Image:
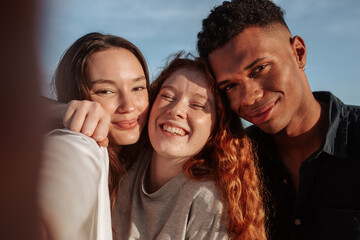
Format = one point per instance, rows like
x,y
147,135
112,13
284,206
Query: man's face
x,y
260,72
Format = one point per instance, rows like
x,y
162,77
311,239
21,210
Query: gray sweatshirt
x,y
181,209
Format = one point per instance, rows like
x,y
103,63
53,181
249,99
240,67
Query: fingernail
x,y
99,138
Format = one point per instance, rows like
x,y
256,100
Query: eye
x,y
197,106
167,97
229,86
103,92
138,88
257,69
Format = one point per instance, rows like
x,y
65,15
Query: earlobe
x,y
299,48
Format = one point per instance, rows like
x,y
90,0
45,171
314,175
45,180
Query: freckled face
x,y
259,72
118,83
183,115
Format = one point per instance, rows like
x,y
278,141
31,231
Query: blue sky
x,y
159,28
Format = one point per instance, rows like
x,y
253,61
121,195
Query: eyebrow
x,y
196,94
201,96
108,81
252,64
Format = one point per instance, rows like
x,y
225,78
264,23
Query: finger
x,y
77,120
102,129
104,143
91,123
75,115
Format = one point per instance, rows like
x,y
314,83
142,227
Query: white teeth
x,y
174,130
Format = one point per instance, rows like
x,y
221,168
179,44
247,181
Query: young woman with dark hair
x,y
77,176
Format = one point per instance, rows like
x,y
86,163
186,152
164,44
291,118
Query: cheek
x,y
108,105
152,117
234,105
142,103
204,125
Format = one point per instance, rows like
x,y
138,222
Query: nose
x,y
125,104
251,92
177,109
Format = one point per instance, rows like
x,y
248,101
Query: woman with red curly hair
x,y
198,178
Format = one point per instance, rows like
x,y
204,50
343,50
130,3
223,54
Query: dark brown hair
x,y
71,84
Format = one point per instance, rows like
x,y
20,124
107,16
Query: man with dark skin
x,y
307,143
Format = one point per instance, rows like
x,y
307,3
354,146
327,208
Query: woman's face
x,y
182,117
118,83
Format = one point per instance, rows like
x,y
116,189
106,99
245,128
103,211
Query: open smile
x,y
173,130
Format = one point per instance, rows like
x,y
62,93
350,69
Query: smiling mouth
x,y
263,116
173,130
126,124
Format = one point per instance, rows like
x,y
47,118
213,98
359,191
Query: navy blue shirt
x,y
327,205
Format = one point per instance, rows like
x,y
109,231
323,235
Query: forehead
x,y
112,54
252,43
190,79
190,82
113,63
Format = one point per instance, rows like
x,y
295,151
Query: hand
x,y
88,118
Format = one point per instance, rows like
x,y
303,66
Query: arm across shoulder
x,y
73,183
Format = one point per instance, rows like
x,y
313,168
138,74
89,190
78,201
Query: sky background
x,y
159,28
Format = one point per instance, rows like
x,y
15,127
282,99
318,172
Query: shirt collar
x,y
336,136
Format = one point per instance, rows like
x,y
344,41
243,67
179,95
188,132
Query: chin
x,y
125,140
168,152
270,129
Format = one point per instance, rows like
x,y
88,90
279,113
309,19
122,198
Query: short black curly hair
x,y
231,18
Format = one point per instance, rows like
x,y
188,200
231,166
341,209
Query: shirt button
x,y
285,181
297,222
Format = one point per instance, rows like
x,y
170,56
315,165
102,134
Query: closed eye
x,y
167,97
197,106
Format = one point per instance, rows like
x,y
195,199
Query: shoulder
x,y
353,126
69,136
65,145
354,113
345,114
206,196
207,214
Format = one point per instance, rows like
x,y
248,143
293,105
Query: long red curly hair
x,y
227,159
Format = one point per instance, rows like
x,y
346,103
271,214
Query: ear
x,y
299,48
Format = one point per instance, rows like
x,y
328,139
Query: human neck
x,y
293,149
162,169
307,126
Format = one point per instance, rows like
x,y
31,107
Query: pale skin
x,y
180,124
261,71
118,84
119,97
